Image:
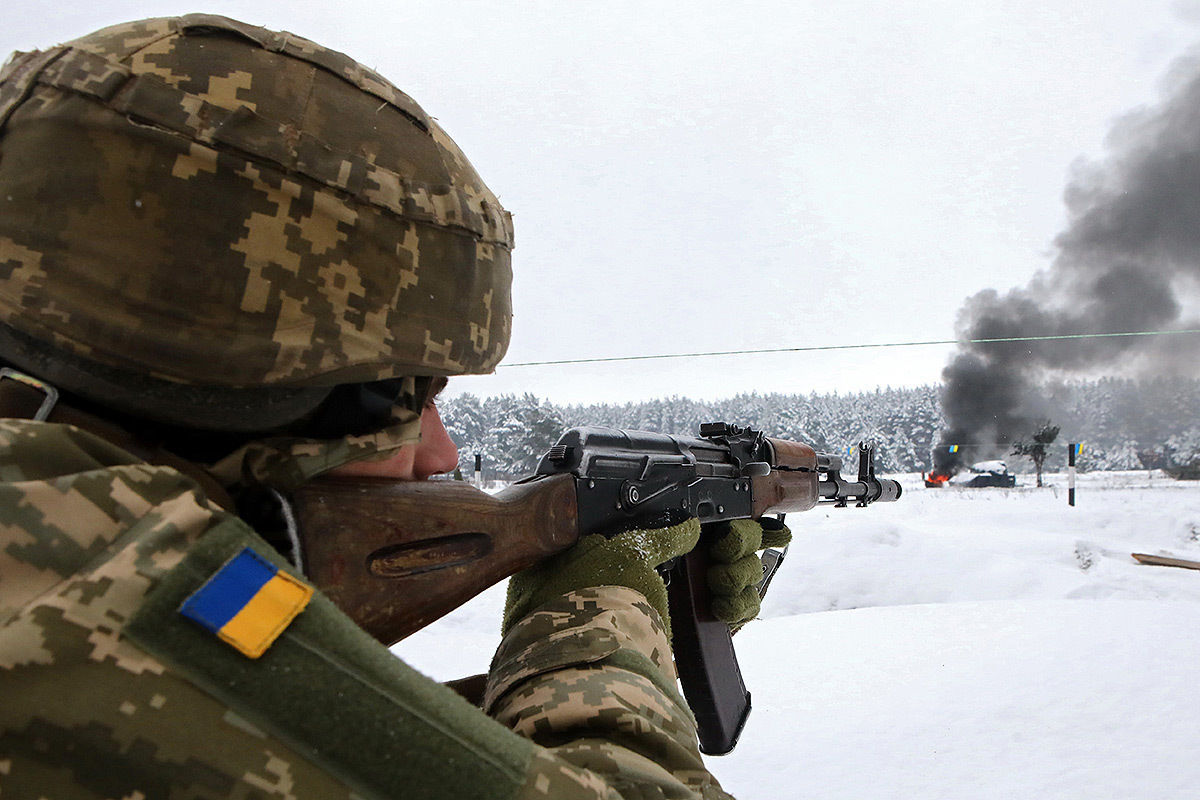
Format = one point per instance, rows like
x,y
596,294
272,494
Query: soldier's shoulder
x,y
66,496
38,451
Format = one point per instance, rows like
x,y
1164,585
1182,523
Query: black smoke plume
x,y
1129,260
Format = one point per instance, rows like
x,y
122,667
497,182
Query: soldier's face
x,y
434,454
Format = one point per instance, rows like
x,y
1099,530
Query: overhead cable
x,y
815,348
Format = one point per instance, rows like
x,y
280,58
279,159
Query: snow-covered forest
x,y
1123,424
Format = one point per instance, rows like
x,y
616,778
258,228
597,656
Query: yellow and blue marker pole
x,y
1073,450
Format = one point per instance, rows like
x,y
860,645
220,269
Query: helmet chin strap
x,y
143,397
23,396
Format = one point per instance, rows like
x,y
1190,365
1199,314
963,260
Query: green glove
x,y
627,559
736,568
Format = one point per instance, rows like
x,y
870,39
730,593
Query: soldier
x,y
232,260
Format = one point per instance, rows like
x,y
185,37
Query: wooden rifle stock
x,y
397,555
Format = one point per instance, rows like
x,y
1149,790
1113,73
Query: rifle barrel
x,y
882,490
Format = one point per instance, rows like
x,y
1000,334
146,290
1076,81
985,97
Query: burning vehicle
x,y
981,474
935,479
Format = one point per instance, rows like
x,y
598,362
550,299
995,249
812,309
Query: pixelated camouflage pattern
x,y
590,677
284,463
578,629
175,188
87,532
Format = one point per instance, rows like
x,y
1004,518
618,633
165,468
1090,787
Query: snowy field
x,y
961,643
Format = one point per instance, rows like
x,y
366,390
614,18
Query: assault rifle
x,y
396,556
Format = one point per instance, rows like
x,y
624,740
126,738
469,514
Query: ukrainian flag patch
x,y
248,602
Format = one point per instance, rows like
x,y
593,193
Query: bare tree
x,y
1037,450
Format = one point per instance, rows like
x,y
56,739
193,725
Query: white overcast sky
x,y
708,176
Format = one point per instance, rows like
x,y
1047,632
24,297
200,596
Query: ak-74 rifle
x,y
396,556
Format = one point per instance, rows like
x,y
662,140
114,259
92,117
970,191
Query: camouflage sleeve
x,y
590,677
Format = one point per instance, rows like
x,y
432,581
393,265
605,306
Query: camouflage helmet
x,y
199,205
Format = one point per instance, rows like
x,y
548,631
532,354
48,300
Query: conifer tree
x,y
1037,449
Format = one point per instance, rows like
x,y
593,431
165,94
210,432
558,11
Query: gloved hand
x,y
736,568
627,559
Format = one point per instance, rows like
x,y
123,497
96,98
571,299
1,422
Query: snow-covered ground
x,y
961,643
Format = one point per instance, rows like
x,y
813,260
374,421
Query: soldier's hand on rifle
x,y
736,567
627,559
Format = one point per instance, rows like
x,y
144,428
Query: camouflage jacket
x,y
110,692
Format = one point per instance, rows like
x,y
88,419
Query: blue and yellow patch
x,y
248,602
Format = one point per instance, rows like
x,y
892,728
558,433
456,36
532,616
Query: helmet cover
x,y
181,193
